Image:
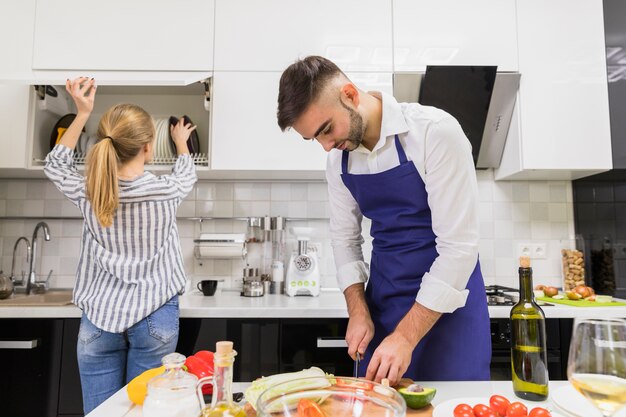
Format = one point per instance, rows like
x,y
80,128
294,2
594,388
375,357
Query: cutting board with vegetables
x,y
581,303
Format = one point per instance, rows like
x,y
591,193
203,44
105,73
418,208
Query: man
x,y
409,169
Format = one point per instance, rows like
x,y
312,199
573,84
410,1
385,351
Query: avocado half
x,y
417,399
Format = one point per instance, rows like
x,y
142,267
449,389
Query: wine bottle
x,y
529,362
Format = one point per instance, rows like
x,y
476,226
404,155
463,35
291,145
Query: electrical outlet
x,y
533,250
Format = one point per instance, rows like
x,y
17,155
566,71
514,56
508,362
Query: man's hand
x,y
391,359
393,356
360,326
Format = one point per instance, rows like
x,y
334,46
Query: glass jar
x,y
173,393
573,262
602,270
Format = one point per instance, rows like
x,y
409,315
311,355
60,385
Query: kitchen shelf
x,y
198,159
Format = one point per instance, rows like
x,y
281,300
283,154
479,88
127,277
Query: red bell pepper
x,y
201,365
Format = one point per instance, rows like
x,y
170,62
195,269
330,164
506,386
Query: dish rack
x,y
200,159
220,246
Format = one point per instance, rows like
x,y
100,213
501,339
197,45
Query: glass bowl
x,y
335,396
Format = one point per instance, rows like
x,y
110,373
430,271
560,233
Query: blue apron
x,y
458,347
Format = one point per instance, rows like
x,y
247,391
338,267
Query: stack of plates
x,y
163,146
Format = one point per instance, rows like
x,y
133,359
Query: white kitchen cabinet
x,y
14,118
17,22
270,35
30,118
245,133
122,35
453,32
561,123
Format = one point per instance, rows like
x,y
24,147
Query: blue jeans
x,y
108,361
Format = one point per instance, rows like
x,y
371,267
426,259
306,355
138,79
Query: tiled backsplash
x,y
510,213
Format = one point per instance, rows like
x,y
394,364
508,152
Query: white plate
x,y
574,403
446,408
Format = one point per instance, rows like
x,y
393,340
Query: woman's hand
x,y
83,92
180,133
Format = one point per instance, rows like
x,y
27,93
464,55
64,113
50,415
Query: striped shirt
x,y
129,270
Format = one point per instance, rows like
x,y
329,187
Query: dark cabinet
x,y
70,394
29,381
315,342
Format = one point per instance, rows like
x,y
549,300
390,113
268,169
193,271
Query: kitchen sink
x,y
49,298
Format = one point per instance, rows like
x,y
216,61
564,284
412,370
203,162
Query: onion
x,y
550,291
583,291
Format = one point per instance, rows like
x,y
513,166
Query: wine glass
x,y
597,362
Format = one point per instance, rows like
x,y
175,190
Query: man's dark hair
x,y
301,84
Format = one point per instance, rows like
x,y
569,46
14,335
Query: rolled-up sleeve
x,y
451,184
183,175
345,229
60,169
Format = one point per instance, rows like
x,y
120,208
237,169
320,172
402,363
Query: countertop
x,y
330,304
119,405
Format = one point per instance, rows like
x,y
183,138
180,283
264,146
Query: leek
x,y
306,379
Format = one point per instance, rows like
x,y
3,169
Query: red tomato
x,y
499,404
539,412
516,409
481,410
463,410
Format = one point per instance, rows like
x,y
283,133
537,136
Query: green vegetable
x,y
311,378
417,399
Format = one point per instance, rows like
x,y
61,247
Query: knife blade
x,y
357,361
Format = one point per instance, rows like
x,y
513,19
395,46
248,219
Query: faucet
x,y
31,276
28,249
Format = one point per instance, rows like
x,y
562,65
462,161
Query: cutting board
x,y
581,303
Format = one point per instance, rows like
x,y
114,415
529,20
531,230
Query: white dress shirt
x,y
441,152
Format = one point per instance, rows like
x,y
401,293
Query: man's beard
x,y
357,129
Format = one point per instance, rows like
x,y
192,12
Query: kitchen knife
x,y
357,361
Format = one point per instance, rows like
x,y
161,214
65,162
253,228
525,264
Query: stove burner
x,y
496,295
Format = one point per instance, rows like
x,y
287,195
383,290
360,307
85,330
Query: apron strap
x,y
400,149
344,162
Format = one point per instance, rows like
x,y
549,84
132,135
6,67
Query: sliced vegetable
x,y
308,408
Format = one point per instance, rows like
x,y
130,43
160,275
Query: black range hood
x,y
479,97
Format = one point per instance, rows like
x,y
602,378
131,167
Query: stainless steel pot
x,y
6,286
253,288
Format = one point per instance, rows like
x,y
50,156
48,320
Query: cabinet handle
x,y
18,344
331,342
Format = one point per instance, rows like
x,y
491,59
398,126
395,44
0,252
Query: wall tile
x,y
33,208
502,210
299,191
619,190
540,230
16,190
502,191
521,212
521,230
503,229
485,190
503,248
603,192
539,211
186,209
51,192
206,191
280,192
224,191
557,212
15,207
558,193
318,192
521,192
243,191
35,190
53,208
539,192
261,191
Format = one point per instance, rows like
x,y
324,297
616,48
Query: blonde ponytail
x,y
102,189
122,132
